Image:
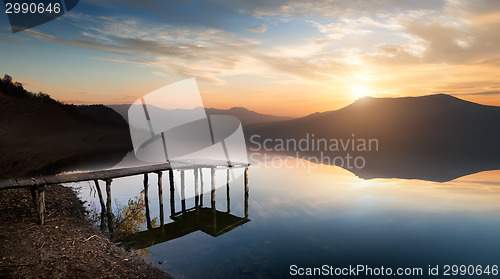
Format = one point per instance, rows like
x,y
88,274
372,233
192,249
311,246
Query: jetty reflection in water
x,y
184,220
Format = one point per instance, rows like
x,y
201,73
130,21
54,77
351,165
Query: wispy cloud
x,y
477,93
205,53
257,28
334,8
208,54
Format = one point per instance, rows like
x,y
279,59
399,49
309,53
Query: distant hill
x,y
435,137
40,135
102,114
121,110
247,117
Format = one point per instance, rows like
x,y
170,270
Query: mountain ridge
x,y
246,116
433,137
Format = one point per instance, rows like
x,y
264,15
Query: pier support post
x,y
38,195
108,205
183,192
101,201
99,193
172,192
212,193
212,199
146,201
228,197
246,192
196,193
201,187
160,197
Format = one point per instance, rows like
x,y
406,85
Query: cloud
x,y
338,30
85,93
257,28
455,31
462,32
334,8
305,69
451,31
204,52
477,93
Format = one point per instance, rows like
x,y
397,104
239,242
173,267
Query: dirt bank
x,y
67,246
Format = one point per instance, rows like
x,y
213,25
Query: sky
x,y
279,57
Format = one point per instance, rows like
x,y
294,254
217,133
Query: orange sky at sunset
x,y
293,58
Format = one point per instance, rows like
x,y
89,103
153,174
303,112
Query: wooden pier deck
x,y
36,184
11,183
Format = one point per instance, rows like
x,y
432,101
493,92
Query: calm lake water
x,y
326,216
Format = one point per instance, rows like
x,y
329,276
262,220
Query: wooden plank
x,y
39,181
206,163
113,173
91,176
100,175
128,172
87,176
8,183
25,182
51,179
66,177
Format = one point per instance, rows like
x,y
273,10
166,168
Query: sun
x,y
359,91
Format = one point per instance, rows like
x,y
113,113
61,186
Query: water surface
x,y
328,216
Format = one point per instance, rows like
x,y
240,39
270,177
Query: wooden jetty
x,y
36,184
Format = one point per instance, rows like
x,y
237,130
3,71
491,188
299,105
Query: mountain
x,y
435,137
247,117
40,135
121,110
102,114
